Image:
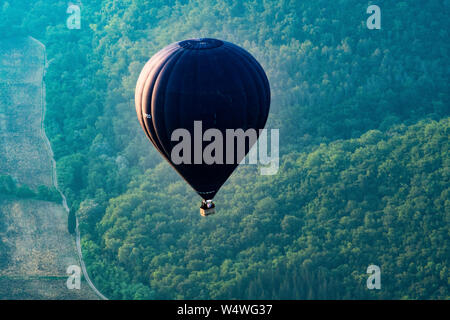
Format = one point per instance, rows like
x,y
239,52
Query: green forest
x,y
364,150
9,187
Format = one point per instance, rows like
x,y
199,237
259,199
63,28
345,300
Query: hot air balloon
x,y
207,81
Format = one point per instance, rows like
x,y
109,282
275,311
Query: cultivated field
x,y
35,246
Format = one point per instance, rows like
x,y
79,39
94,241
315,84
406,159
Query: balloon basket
x,y
207,212
207,208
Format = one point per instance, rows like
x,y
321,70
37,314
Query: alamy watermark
x,y
74,279
74,20
374,280
228,148
374,21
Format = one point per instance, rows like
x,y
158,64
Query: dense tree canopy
x,y
9,187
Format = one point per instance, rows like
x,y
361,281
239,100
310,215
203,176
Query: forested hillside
x,y
363,119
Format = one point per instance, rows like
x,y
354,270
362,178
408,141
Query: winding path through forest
x,y
55,180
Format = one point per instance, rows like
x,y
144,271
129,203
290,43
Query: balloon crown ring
x,y
200,44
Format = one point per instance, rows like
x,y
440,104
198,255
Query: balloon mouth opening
x,y
200,44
